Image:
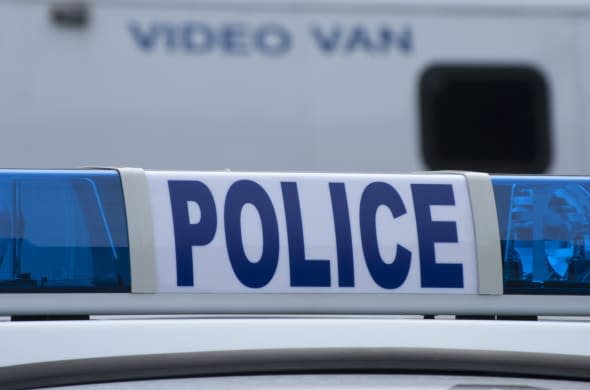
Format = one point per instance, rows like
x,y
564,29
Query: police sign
x,y
284,233
270,243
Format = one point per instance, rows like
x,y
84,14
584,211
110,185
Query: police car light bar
x,y
63,231
129,241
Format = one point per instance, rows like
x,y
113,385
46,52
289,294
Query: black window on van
x,y
485,118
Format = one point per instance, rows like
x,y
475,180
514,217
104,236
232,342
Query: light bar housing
x,y
107,241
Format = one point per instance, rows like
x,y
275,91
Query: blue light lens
x,y
63,231
545,233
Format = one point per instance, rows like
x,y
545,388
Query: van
x,y
291,85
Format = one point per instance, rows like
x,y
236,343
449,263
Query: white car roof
x,y
64,340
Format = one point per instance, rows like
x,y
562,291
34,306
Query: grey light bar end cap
x,y
487,234
140,230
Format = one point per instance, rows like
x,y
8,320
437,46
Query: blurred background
x,y
291,85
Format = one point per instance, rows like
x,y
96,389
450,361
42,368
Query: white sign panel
x,y
225,232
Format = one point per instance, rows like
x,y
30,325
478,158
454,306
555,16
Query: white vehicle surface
x,y
366,353
294,85
441,280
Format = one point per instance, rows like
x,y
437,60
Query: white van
x,y
323,85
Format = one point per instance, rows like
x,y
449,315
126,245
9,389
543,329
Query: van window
x,y
485,118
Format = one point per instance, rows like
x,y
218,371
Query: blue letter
x,y
232,39
144,39
343,235
387,39
253,275
272,40
197,38
385,275
327,44
359,37
304,272
402,39
187,234
429,232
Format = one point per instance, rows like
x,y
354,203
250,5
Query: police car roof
x,y
273,270
71,352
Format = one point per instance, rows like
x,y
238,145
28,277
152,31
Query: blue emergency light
x,y
63,231
132,241
545,231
